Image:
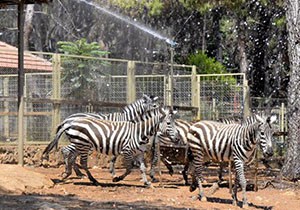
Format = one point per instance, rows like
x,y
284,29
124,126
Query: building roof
x,y
16,2
32,63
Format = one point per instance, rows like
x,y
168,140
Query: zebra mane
x,y
140,105
250,120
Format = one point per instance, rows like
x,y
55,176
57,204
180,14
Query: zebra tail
x,y
54,143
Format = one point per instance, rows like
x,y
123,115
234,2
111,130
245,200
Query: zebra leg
x,y
239,178
168,165
141,160
154,149
185,173
220,174
77,170
197,175
84,165
129,165
112,166
69,157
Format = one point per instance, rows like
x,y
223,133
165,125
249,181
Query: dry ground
x,y
34,188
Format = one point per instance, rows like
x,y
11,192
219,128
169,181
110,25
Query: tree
x,y
291,168
205,64
81,73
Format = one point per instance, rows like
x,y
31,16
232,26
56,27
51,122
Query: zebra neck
x,y
249,133
133,111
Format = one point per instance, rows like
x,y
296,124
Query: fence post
x,y
131,92
195,91
6,107
246,99
56,90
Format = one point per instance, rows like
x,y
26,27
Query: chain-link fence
x,y
57,86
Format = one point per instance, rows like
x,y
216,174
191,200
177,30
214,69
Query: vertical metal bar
x,y
21,83
171,85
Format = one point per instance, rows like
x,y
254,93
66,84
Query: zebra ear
x,y
154,98
259,118
272,119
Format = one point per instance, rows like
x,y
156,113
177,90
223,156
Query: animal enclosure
x,y
84,84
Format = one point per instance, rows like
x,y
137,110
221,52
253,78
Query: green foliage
x,y
154,6
81,47
205,64
81,73
280,22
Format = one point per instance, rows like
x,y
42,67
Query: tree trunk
x,y
241,41
28,24
204,34
291,168
217,37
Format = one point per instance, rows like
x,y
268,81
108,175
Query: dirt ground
x,y
40,188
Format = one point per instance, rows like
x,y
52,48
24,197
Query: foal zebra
x,y
130,112
223,142
112,138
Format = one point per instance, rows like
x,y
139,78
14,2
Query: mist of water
x,y
130,22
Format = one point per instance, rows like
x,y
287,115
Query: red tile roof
x,y
9,61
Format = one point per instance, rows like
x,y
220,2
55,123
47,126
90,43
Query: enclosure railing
x,y
85,84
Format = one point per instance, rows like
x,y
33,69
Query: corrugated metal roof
x,y
9,61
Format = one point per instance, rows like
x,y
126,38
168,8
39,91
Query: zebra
x,y
112,138
130,112
182,127
225,142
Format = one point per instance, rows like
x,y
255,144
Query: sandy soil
x,y
41,189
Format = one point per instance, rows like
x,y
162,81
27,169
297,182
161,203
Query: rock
x,y
16,179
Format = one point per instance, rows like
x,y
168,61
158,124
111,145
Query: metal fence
x,y
82,84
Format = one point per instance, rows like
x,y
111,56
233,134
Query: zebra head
x,y
265,134
167,126
140,106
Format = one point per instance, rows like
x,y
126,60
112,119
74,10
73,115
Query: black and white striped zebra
x,y
229,142
182,127
112,138
130,112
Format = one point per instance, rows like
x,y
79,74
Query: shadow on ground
x,y
59,202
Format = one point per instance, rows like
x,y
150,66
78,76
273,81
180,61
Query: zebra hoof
x,y
245,206
193,188
154,180
234,203
116,179
65,175
96,183
147,184
203,198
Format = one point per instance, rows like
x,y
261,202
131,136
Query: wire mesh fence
x,y
60,85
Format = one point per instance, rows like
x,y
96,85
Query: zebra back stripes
x,y
223,142
130,112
